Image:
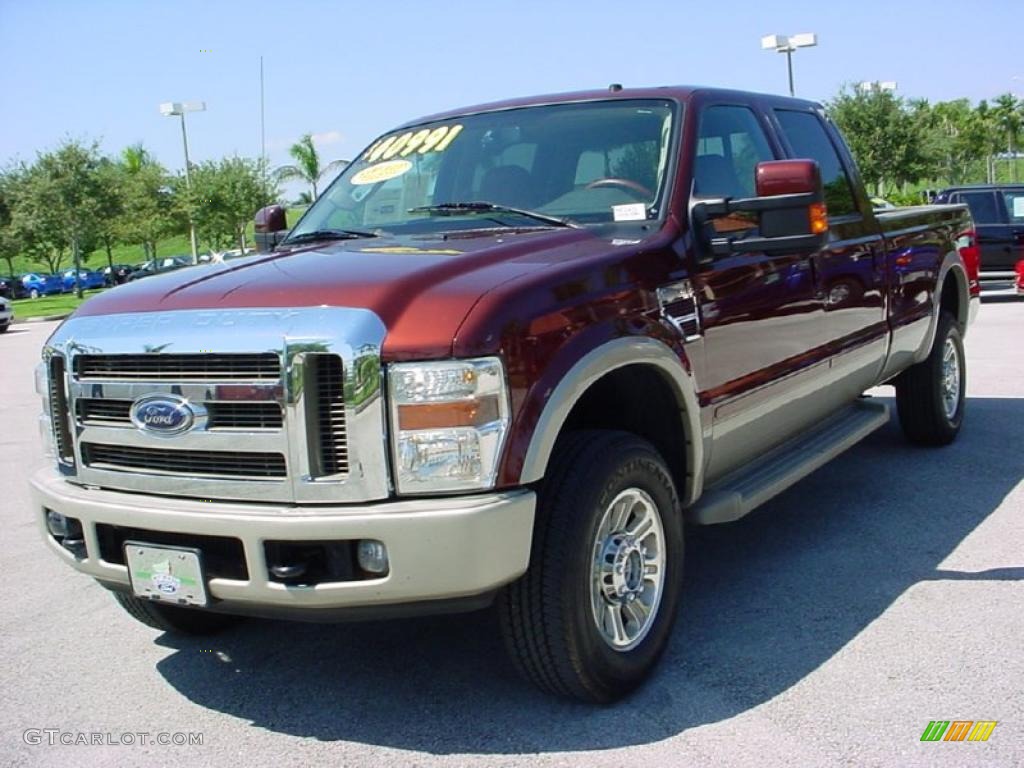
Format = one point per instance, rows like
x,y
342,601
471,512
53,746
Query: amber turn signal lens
x,y
818,214
465,413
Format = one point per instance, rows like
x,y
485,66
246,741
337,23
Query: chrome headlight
x,y
449,421
42,384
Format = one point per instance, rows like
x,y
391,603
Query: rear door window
x,y
982,204
808,139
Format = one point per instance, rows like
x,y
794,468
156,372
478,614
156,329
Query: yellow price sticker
x,y
419,142
383,172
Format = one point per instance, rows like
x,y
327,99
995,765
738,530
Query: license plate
x,y
169,574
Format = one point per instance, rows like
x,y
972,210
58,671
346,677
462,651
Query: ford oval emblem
x,y
163,414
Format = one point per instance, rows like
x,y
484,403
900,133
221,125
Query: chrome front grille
x,y
244,416
126,458
269,419
329,440
59,408
175,367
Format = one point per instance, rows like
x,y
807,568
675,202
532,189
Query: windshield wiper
x,y
327,234
480,206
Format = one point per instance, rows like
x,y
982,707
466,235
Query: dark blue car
x,y
37,284
88,278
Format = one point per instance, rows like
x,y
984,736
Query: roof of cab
x,y
677,92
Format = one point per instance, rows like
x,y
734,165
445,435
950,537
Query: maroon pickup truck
x,y
503,360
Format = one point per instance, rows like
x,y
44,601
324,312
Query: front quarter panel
x,y
561,329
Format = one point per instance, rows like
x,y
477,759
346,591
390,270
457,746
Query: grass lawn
x,y
49,305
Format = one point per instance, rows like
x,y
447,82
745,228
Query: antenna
x,y
263,136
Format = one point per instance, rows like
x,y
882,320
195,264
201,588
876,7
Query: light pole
x,y
168,109
787,44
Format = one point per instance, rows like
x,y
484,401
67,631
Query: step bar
x,y
742,491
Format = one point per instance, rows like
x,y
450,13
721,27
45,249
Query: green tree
x,y
1009,117
8,242
148,210
135,157
224,197
884,135
67,181
109,206
308,166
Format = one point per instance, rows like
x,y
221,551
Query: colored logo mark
x,y
958,730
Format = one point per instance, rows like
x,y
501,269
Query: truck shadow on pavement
x,y
769,600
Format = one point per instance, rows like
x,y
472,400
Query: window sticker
x,y
420,142
1018,207
629,212
383,172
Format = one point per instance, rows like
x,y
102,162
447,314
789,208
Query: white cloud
x,y
327,137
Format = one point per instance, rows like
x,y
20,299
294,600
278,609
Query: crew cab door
x,y
762,314
850,270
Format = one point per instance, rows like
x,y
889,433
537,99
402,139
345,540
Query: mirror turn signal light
x,y
818,214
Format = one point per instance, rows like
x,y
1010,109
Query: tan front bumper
x,y
444,548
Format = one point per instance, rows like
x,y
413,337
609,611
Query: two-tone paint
x,y
746,349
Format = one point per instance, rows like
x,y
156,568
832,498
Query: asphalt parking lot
x,y
828,628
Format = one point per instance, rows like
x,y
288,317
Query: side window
x,y
1015,205
807,137
730,144
982,206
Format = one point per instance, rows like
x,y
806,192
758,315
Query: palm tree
x,y
307,166
135,157
1008,117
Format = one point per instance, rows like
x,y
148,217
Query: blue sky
x,y
348,71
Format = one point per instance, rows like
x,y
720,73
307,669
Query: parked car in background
x,y
117,273
37,284
159,266
12,288
998,213
89,280
6,314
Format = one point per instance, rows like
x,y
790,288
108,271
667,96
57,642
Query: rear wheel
x,y
170,618
595,610
930,395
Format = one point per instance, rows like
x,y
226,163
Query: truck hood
x,y
421,287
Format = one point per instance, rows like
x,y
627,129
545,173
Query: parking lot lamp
x,y
168,109
787,44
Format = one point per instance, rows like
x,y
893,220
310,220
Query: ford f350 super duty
x,y
505,359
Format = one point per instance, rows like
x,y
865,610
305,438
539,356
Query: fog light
x,y
66,531
56,524
372,556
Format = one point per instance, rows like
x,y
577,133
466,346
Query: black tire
x,y
4,327
546,616
170,618
921,390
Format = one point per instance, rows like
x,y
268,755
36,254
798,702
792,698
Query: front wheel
x,y
34,293
594,612
930,395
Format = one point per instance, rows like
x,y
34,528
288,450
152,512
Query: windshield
x,y
587,163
